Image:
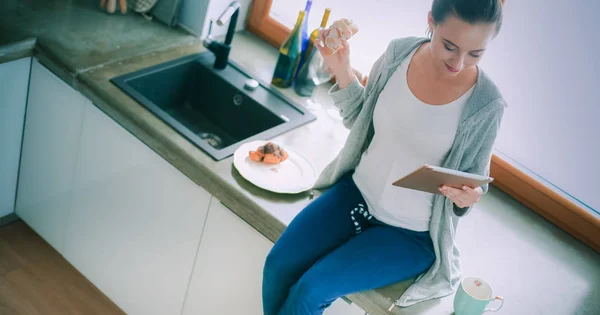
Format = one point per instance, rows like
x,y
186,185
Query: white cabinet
x,y
227,277
146,235
14,80
341,307
50,145
135,220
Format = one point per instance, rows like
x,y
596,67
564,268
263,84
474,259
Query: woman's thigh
x,y
318,229
379,256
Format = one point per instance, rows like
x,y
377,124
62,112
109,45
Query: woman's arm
x,y
464,199
361,78
350,97
349,92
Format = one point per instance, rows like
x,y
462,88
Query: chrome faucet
x,y
221,50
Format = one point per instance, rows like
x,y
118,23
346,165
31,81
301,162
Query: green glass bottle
x,y
315,33
289,56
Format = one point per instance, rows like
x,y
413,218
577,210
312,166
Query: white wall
x,y
545,62
194,16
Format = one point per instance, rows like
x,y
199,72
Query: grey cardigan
x,y
471,152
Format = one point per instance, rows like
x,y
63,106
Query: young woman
x,y
426,102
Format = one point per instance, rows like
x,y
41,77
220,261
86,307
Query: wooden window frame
x,y
562,212
263,25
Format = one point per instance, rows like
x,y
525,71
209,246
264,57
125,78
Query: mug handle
x,y
499,307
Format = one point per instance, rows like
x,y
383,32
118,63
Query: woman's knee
x,y
273,264
280,263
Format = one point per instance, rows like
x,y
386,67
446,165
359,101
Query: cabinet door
x,y
341,307
135,222
227,276
14,80
50,145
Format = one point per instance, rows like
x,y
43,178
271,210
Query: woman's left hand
x,y
465,197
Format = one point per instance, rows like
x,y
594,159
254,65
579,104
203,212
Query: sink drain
x,y
212,139
238,99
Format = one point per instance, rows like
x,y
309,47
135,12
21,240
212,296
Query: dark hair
x,y
471,11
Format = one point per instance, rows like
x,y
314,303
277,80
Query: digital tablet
x,y
429,178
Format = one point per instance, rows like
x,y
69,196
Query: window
x,y
544,64
378,22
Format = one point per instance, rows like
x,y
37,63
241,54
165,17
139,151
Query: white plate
x,y
294,175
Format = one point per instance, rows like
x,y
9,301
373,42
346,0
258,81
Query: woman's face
x,y
457,45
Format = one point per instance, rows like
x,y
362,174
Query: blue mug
x,y
473,296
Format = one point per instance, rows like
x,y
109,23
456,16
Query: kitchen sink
x,y
214,109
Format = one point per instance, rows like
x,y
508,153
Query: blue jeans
x,y
333,248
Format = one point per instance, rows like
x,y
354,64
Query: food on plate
x,y
270,153
340,30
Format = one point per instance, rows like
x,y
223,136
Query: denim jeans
x,y
335,247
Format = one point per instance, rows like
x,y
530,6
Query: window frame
x,y
263,25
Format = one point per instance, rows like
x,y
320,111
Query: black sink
x,y
211,107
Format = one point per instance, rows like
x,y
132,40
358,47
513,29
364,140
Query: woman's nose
x,y
458,63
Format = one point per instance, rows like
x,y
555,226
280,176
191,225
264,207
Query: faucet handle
x,y
210,24
208,41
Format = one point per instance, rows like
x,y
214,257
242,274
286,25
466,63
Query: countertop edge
x,y
18,50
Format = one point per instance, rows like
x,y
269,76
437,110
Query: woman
x,y
426,102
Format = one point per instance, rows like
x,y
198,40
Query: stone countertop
x,y
77,36
19,48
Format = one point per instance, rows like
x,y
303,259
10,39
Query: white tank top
x,y
408,134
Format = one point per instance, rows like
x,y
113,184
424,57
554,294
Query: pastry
x,y
269,153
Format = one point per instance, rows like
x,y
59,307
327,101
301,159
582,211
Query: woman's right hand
x,y
338,63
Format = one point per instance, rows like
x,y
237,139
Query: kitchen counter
x,y
86,48
267,212
75,35
17,49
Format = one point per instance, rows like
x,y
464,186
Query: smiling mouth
x,y
451,69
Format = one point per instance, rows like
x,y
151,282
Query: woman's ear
x,y
430,22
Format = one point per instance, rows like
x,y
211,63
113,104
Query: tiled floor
x,y
35,279
538,268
